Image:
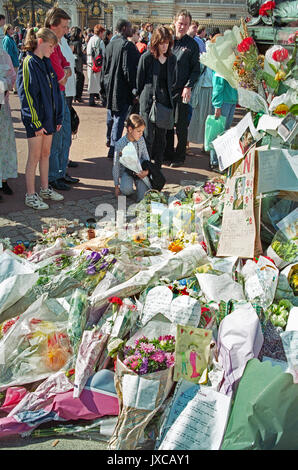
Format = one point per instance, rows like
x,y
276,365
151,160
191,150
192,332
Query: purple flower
x,y
144,367
91,270
105,251
103,266
114,261
94,257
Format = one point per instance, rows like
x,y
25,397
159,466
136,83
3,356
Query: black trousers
x,y
181,111
155,139
80,80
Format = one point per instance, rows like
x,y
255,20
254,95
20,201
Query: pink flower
x,y
158,356
147,348
170,359
134,364
140,340
292,37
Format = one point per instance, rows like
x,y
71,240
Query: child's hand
x,y
143,173
117,191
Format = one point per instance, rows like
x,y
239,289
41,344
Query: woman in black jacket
x,y
77,43
161,63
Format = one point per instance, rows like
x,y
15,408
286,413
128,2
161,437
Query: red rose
x,y
280,55
244,45
266,8
115,300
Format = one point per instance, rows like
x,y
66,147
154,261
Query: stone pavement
x,y
19,222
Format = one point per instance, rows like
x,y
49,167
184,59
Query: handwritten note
x,y
185,310
201,424
158,300
238,222
184,392
139,393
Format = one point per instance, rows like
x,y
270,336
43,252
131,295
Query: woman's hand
x,y
117,191
186,93
40,132
143,173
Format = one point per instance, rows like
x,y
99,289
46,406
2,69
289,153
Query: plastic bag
x,y
213,127
37,346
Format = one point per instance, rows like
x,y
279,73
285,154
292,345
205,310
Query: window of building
x,y
233,16
208,15
135,12
154,13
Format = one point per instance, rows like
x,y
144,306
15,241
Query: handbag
x,y
75,121
160,115
155,175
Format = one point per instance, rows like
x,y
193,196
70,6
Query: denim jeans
x,y
115,126
60,145
227,110
127,186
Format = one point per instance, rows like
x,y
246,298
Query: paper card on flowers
x,y
191,352
238,222
233,145
139,393
184,310
217,288
158,300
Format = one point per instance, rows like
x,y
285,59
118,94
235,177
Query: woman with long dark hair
x,y
77,44
156,69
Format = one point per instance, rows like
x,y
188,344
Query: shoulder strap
x,y
154,83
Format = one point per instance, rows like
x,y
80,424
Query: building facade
x,y
83,13
86,13
221,13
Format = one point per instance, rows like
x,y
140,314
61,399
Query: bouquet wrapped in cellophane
x,y
143,380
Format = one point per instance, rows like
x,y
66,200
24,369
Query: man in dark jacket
x,y
188,71
118,82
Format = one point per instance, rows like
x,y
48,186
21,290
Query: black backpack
x,y
75,121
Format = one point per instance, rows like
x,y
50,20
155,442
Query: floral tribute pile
x,y
145,333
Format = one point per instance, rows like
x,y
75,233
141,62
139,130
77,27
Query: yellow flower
x,y
282,109
281,75
176,246
138,238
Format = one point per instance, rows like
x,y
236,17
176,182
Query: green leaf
x,y
273,68
270,80
294,109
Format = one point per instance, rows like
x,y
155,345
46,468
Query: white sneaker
x,y
49,193
34,201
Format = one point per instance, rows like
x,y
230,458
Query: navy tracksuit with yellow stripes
x,y
38,89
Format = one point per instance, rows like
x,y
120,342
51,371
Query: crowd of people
x,y
149,79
